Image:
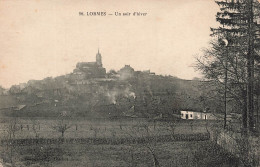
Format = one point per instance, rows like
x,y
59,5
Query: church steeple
x,y
99,59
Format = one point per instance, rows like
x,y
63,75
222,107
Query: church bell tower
x,y
99,59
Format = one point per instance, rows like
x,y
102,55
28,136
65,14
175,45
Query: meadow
x,y
148,152
85,128
168,154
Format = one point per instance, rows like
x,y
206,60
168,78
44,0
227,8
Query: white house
x,y
197,115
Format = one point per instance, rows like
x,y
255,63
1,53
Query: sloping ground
x,y
7,101
246,148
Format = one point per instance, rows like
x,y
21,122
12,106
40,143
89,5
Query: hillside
x,y
143,94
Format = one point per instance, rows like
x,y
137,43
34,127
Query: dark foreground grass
x,y
168,154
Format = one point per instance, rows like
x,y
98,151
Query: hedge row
x,y
111,140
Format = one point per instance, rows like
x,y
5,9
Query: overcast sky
x,y
41,38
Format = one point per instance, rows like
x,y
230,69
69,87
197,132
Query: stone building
x,y
86,70
126,72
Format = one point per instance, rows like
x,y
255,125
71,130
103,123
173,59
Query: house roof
x,y
194,111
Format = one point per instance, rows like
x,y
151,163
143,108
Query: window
x,y
191,115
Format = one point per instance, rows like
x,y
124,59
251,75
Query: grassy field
x,y
179,154
84,128
170,153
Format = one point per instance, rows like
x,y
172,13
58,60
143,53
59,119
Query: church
x,y
86,70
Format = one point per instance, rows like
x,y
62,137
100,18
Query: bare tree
x,y
63,123
234,66
12,128
149,137
36,128
96,131
171,126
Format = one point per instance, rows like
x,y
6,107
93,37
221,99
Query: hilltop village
x,y
85,71
92,91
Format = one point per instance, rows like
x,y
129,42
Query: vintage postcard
x,y
129,83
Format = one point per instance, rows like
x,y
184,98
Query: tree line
x,y
232,59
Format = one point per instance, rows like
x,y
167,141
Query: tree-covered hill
x,y
143,95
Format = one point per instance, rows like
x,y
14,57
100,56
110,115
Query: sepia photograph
x,y
129,83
